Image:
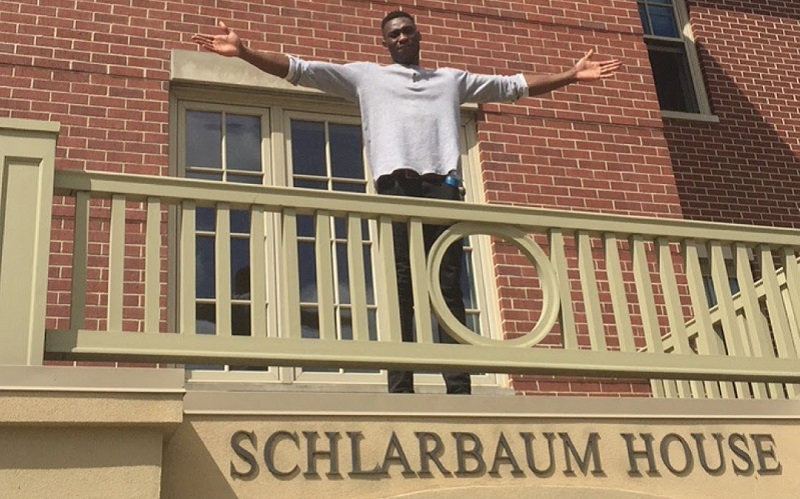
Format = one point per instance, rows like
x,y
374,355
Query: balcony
x,y
619,297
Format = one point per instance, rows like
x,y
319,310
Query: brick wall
x,y
744,169
101,69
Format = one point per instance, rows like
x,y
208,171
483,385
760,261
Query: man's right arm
x,y
229,44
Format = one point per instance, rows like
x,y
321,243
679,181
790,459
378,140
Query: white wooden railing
x,y
620,296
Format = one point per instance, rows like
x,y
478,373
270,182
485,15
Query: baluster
x,y
647,307
80,254
152,266
419,280
758,336
325,284
116,263
388,306
590,296
258,273
188,262
619,300
730,326
358,286
677,325
559,259
777,312
290,302
707,341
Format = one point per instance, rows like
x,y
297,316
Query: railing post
x,y
27,162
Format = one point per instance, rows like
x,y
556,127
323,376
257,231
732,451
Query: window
x,y
673,58
305,144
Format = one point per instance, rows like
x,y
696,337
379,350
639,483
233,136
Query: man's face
x,y
401,37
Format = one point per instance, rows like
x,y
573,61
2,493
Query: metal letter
x,y
701,453
246,455
592,452
762,454
504,455
687,452
312,454
394,447
269,453
475,453
426,455
633,455
529,438
743,454
355,453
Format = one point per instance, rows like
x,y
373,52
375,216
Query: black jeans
x,y
407,183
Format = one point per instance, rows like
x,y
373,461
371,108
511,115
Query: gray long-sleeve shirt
x,y
410,115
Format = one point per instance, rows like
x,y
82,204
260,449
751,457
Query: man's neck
x,y
411,63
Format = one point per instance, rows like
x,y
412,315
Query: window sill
x,y
705,118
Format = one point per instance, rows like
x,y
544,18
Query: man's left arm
x,y
585,70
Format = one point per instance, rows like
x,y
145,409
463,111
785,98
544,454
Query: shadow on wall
x,y
746,168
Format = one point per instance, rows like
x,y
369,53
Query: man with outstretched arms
x,y
410,119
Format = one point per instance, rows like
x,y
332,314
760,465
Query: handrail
x,y
171,189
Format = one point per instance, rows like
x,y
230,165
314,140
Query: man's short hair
x,y
394,15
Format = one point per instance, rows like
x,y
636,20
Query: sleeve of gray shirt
x,y
336,79
492,88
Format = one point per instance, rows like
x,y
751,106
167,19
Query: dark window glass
x,y
243,142
203,139
346,159
673,78
308,148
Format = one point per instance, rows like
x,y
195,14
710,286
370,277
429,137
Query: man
x,y
410,120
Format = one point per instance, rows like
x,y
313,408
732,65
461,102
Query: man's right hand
x,y
228,43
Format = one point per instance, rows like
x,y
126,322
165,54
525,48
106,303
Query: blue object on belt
x,y
452,181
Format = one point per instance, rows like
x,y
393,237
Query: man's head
x,y
401,37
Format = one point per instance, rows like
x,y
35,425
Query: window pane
x,y
310,184
240,222
343,272
240,269
240,320
664,22
203,139
673,79
204,268
243,142
340,228
346,158
309,323
350,186
467,281
368,274
346,324
306,255
308,148
305,226
204,175
206,315
244,179
205,219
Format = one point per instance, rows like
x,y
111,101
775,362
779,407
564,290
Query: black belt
x,y
434,178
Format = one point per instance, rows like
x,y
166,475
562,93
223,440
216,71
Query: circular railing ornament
x,y
546,273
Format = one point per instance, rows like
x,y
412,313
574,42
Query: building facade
x,y
193,194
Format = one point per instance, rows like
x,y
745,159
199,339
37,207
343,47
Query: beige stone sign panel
x,y
442,456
